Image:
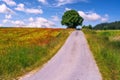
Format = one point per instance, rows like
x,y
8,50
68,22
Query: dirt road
x,y
74,61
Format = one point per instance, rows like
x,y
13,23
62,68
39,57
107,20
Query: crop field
x,y
105,46
25,49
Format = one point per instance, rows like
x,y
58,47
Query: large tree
x,y
71,19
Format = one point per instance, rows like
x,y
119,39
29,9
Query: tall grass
x,y
105,46
24,49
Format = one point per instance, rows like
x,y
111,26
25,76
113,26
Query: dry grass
x,y
24,49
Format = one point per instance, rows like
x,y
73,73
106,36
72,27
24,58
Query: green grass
x,y
25,49
105,46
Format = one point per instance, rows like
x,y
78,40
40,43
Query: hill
x,y
108,26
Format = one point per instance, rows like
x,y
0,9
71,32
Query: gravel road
x,y
74,61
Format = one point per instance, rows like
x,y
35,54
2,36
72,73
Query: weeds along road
x,y
74,61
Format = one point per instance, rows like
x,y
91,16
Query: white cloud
x,y
43,1
5,21
9,2
0,25
55,18
31,19
21,7
5,9
92,16
8,16
63,2
34,11
18,23
67,9
105,18
41,22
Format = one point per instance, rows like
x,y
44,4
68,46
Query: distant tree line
x,y
87,27
108,26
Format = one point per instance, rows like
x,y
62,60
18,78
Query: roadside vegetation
x,y
25,49
105,45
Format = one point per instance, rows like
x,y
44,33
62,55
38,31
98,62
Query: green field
x,y
25,49
105,46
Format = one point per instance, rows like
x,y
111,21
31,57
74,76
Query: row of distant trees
x,y
104,26
108,26
87,27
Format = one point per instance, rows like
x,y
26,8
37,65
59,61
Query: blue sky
x,y
48,13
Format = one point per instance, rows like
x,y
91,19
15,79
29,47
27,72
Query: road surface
x,y
74,61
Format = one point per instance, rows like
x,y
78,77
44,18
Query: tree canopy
x,y
71,19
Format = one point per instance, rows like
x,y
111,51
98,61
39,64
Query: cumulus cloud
x,y
8,16
5,9
63,2
31,19
21,7
18,23
55,18
34,11
92,16
67,9
9,2
0,25
105,18
41,22
43,1
5,21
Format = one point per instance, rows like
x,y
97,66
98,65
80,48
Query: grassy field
x,y
25,49
105,46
